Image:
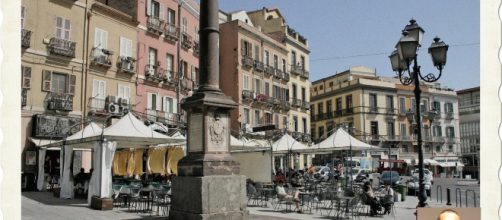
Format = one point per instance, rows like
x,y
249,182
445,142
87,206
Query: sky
x,y
347,33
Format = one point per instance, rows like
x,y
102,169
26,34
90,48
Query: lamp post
x,y
401,59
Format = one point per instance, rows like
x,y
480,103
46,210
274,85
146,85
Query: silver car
x,y
413,186
427,175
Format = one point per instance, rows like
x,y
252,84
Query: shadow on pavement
x,y
48,199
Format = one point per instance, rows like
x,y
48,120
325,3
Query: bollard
x,y
439,191
458,196
448,200
473,196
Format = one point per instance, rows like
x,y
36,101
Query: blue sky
x,y
346,33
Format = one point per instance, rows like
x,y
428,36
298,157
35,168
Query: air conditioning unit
x,y
124,109
123,102
111,99
113,108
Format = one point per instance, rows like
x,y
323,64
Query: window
x,y
124,92
276,120
304,96
424,107
293,57
99,94
413,105
26,77
59,83
171,16
153,9
246,116
320,108
152,56
125,47
402,105
295,123
450,148
267,89
169,65
184,25
348,103
438,148
257,84
329,108
329,129
450,132
276,62
373,102
197,37
321,132
268,118
63,27
153,102
304,124
284,121
100,39
339,104
245,82
257,52
402,129
247,49
436,106
284,65
302,62
448,107
390,130
167,104
256,117
266,57
374,128
436,131
23,12
293,88
321,87
330,84
390,103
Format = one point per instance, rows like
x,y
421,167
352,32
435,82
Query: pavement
x,y
42,205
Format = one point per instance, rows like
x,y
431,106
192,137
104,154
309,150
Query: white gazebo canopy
x,y
286,143
341,140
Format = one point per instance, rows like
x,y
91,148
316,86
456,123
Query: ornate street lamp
x,y
406,50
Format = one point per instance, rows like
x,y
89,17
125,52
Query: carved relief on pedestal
x,y
217,128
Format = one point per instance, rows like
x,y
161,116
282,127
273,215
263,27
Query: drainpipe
x,y
83,91
178,61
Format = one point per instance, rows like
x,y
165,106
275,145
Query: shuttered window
x,y
125,47
58,82
26,80
100,39
124,92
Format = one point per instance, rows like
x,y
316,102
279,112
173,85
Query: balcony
x,y
187,84
305,105
171,32
186,41
296,102
154,25
450,140
60,102
25,38
296,69
247,62
438,139
338,113
348,111
269,70
405,138
305,74
154,73
126,64
196,49
102,57
97,104
262,98
277,73
168,118
449,116
285,105
170,78
248,95
62,47
307,138
24,97
285,76
259,66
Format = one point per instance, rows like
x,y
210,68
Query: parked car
x,y
413,186
390,177
427,175
324,173
360,174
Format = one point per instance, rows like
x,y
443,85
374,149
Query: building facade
x,y
380,111
469,110
167,51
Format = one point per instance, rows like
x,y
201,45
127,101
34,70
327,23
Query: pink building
x,y
167,58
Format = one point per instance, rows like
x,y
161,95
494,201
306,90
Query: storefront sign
x,y
54,127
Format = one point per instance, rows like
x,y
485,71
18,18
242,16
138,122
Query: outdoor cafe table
x,y
338,200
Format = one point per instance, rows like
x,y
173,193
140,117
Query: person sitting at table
x,y
289,197
388,198
371,199
279,176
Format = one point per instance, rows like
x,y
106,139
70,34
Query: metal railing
x,y
270,70
305,105
126,64
60,101
259,66
248,95
97,104
186,41
154,25
247,61
296,102
62,47
196,48
102,57
171,32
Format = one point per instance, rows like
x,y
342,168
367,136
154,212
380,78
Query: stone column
x,y
209,185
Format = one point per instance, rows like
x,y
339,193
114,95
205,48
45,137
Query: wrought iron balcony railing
x,y
62,47
102,57
248,95
24,97
196,48
154,25
126,64
269,70
186,41
60,101
296,102
171,32
187,84
259,66
25,38
247,62
305,105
